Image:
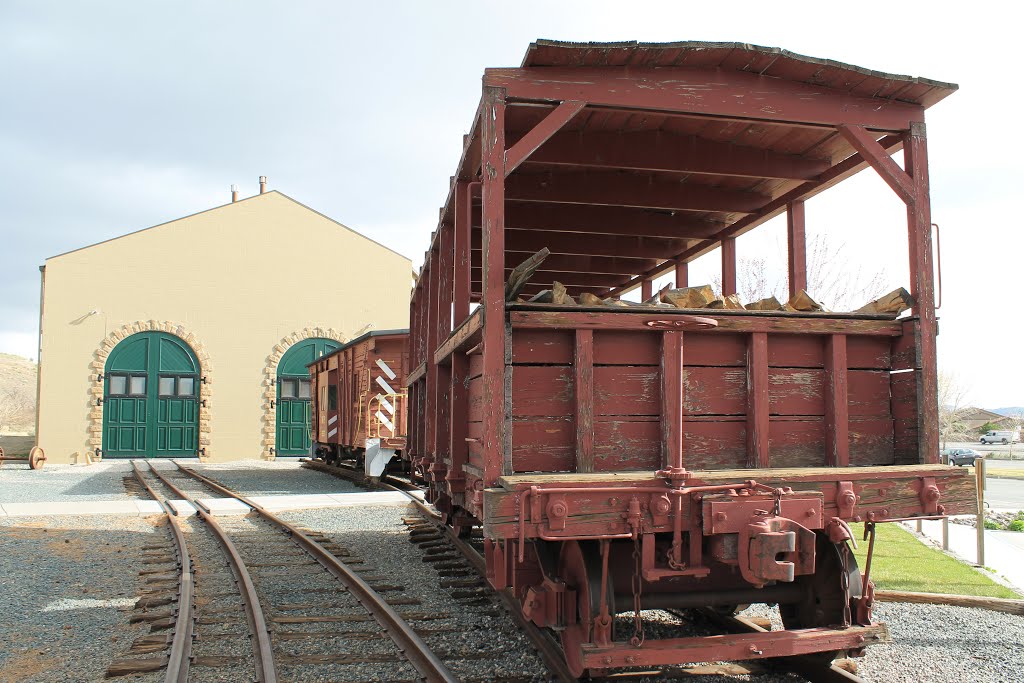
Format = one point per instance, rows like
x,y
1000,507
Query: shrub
x,y
989,524
1017,525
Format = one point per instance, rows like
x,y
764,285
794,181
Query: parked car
x,y
1000,436
961,456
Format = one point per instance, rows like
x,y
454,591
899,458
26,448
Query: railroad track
x,y
810,668
314,619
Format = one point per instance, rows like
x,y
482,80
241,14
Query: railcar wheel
x,y
825,599
36,458
579,566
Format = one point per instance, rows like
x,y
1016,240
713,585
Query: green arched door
x,y
151,398
293,394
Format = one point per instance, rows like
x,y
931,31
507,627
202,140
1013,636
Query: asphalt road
x,y
1002,494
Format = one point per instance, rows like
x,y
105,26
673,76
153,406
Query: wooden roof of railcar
x,y
625,185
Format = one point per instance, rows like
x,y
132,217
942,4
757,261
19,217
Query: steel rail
x,y
815,672
180,656
549,650
422,658
263,650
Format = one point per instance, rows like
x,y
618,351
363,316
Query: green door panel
x,y
293,406
138,421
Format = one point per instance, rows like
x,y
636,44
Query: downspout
x,y
39,346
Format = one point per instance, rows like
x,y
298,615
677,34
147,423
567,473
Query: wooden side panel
x,y
542,391
797,442
715,350
542,346
627,390
619,347
583,385
715,444
872,441
624,444
541,444
793,391
714,391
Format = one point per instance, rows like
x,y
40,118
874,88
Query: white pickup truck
x,y
1000,436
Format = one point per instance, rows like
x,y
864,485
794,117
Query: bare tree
x,y
952,395
17,406
829,278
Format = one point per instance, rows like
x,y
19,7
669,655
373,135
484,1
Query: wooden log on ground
x,y
802,301
767,304
588,299
522,273
689,297
895,302
1007,605
730,302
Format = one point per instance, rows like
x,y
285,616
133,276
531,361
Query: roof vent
x,y
234,193
263,184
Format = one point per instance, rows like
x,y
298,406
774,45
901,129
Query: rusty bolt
x,y
754,650
931,494
721,516
859,639
942,509
630,660
661,505
613,501
809,513
558,509
848,499
608,660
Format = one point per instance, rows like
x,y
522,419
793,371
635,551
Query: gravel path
x,y
70,584
268,478
64,483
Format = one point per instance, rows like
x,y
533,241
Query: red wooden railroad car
x,y
359,400
623,458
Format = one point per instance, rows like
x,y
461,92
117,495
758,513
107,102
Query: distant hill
x,y
17,393
1012,411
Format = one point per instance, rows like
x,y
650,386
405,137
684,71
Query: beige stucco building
x,y
191,336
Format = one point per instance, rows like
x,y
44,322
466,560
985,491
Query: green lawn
x,y
901,562
1004,472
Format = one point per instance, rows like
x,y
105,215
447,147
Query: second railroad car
x,y
359,401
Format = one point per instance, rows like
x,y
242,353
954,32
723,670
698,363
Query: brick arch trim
x,y
99,362
269,441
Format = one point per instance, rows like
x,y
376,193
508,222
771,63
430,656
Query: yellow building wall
x,y
241,278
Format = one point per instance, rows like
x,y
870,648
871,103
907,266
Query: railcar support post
x,y
728,266
797,242
493,222
682,273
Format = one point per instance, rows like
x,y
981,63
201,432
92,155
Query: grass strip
x,y
1004,472
902,562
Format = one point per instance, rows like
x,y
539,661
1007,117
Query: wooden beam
x,y
631,246
919,223
646,290
546,277
589,264
605,188
867,146
540,133
583,369
797,245
728,266
682,274
837,405
494,429
670,152
757,400
715,92
608,220
463,237
672,399
741,322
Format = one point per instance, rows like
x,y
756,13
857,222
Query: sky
x,y
115,116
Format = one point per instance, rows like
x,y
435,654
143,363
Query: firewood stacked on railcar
x,y
359,401
692,449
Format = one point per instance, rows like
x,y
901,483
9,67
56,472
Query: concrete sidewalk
x,y
1004,550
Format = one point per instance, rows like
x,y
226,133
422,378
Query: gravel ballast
x,y
69,587
64,483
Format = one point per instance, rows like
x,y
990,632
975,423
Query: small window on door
x,y
118,385
137,385
288,389
166,386
305,391
186,386
332,397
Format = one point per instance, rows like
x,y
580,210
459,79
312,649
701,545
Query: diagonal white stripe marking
x,y
387,371
332,432
384,385
334,418
387,405
380,416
